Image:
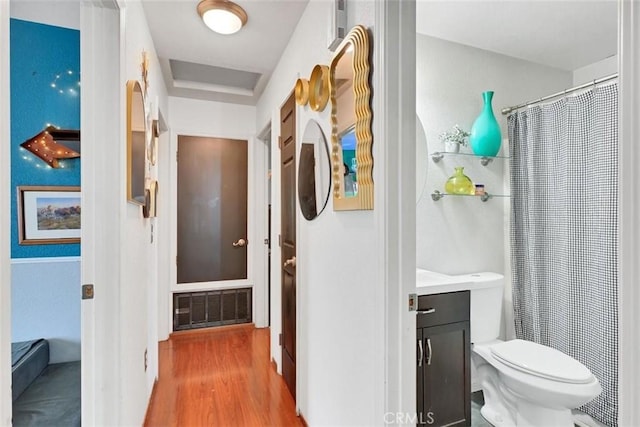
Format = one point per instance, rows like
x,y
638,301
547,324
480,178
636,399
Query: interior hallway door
x,y
288,240
212,209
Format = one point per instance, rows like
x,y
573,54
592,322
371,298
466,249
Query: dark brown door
x,y
212,209
288,239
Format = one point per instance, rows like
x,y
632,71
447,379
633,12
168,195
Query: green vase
x,y
486,137
459,183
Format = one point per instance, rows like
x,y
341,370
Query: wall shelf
x,y
484,161
437,195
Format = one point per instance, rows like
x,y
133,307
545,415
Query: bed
x,y
43,394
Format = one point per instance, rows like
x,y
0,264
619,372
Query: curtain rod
x,y
508,110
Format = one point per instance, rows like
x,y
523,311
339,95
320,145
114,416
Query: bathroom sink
x,y
431,282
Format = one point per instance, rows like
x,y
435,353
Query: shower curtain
x,y
564,172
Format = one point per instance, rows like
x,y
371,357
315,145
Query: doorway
x,y
211,233
45,269
288,240
265,138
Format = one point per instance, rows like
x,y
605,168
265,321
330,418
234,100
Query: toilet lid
x,y
541,361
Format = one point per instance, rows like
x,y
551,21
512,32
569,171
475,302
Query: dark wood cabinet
x,y
444,360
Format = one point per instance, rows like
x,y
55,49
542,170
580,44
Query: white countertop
x,y
430,282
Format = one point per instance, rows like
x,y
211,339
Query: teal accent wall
x,y
45,89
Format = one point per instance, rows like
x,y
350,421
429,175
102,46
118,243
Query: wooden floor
x,y
220,377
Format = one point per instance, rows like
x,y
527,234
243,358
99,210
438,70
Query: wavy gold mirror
x,y
351,138
136,142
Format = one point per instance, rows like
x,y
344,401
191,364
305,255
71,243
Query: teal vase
x,y
485,133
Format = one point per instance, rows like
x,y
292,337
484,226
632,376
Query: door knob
x,y
291,261
239,243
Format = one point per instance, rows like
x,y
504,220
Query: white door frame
x,y
101,48
254,222
394,62
263,186
5,220
629,212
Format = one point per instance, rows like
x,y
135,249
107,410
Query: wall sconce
x,y
45,147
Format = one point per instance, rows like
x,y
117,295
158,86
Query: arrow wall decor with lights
x,y
45,147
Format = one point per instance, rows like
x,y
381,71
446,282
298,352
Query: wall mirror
x,y
136,143
351,138
314,171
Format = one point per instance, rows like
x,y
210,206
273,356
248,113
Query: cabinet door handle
x,y
421,353
429,354
427,311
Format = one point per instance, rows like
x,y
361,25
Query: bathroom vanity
x,y
443,349
444,359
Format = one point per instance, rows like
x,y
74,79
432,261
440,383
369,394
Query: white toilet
x,y
524,383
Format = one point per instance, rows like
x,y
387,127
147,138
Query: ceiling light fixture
x,y
222,16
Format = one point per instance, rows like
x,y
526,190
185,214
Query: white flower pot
x,y
451,147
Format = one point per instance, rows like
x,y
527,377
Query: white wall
x,y
597,70
456,235
138,256
5,221
461,235
339,375
65,13
45,302
217,119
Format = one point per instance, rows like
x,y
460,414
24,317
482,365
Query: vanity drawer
x,y
440,309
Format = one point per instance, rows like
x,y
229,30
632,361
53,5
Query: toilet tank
x,y
486,306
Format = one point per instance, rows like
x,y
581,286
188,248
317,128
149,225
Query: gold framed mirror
x,y
152,149
351,137
136,143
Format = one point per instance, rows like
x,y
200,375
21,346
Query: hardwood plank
x,y
220,377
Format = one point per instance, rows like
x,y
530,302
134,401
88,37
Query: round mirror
x,y
314,171
422,158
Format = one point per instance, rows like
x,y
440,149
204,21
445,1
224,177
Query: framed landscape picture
x,y
48,215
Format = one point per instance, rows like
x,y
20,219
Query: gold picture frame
x,y
48,215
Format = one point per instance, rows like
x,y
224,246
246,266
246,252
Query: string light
x,y
66,83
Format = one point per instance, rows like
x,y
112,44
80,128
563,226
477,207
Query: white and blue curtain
x,y
564,204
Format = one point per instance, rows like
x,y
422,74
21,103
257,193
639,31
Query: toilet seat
x,y
541,361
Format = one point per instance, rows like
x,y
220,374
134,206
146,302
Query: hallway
x,y
220,377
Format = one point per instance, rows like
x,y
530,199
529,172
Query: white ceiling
x,y
565,34
180,35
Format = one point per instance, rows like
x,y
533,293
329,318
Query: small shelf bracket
x,y
436,195
484,161
437,156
